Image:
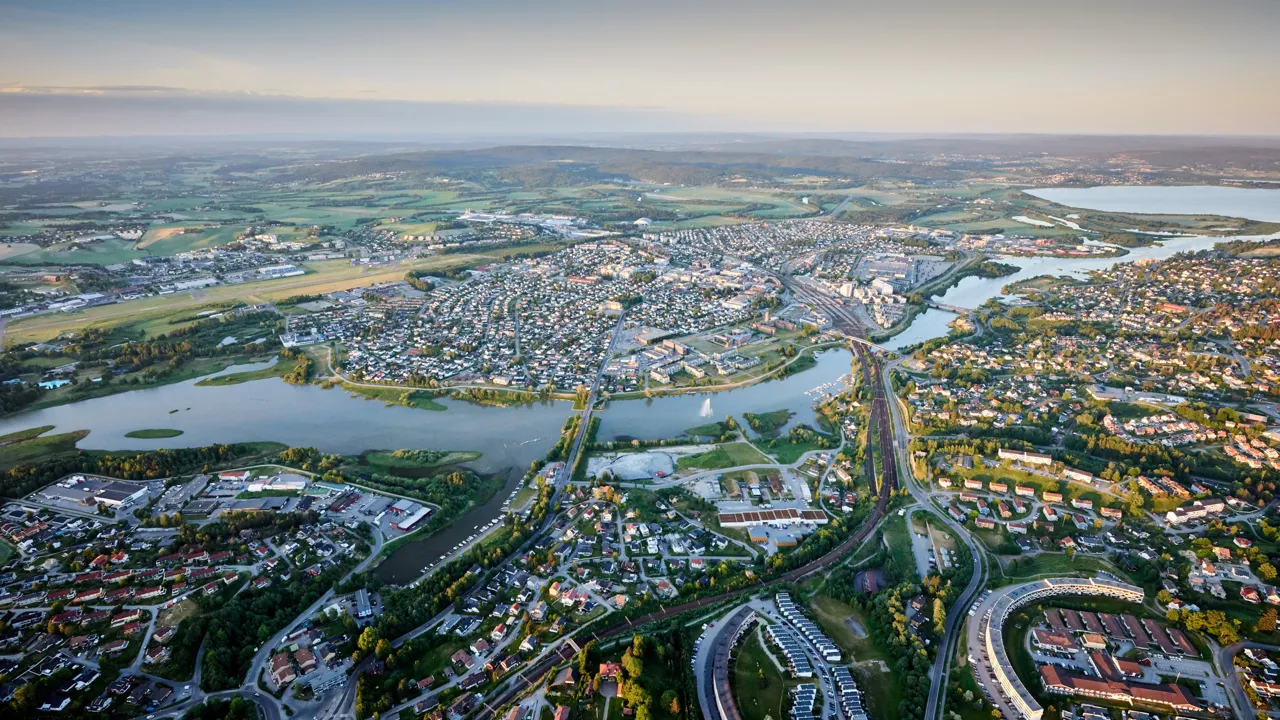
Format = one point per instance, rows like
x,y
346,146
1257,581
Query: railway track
x,y
532,676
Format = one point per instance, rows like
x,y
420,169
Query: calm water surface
x,y
1254,204
666,417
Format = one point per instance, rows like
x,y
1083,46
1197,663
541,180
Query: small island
x,y
153,433
993,269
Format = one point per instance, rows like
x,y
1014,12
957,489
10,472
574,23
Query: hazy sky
x,y
87,67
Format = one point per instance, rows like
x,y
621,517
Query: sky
x,y
158,67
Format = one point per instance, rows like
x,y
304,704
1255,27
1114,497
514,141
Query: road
x,y
1224,659
528,679
957,614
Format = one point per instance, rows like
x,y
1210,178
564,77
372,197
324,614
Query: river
x,y
670,416
973,291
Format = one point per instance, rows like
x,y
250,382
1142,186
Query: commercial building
x,y
786,516
363,608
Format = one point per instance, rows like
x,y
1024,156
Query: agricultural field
x,y
322,277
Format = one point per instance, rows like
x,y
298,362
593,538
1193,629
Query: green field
x,y
768,423
758,685
715,429
724,456
1046,564
421,399
30,445
153,433
384,459
834,617
278,369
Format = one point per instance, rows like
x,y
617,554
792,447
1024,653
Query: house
x,y
463,659
282,671
463,705
157,655
306,660
566,678
115,647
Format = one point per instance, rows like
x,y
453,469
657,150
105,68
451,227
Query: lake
x,y
1251,203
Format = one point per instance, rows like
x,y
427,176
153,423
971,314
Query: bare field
x,y
155,235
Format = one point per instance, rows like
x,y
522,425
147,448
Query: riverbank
x,y
805,358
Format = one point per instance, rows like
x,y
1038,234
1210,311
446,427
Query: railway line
x,y
530,677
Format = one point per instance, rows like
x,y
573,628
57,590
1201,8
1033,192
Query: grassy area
x,y
24,434
768,423
898,539
881,692
724,456
1059,564
39,447
6,551
421,399
715,429
154,433
758,685
836,620
387,460
1124,411
524,495
786,452
278,369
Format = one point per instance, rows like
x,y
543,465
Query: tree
x,y
1267,572
671,701
368,640
632,665
1267,623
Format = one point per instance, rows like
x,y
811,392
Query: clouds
x,y
1139,66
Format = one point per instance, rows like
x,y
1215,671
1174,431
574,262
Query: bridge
x,y
950,308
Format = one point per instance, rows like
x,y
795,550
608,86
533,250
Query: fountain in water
x,y
706,408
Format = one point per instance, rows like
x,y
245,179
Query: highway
x,y
957,614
